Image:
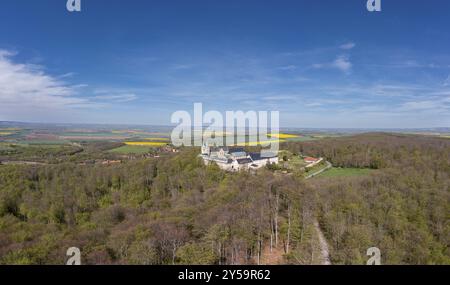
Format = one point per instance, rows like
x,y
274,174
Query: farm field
x,y
44,142
346,172
86,134
5,133
113,136
165,140
4,146
284,136
147,144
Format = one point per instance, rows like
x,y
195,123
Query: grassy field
x,y
42,146
4,146
345,172
44,142
129,149
147,144
157,139
296,163
87,134
283,136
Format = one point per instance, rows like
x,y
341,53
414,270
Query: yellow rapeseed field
x,y
283,136
5,133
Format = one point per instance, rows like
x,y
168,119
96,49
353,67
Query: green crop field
x,y
45,142
346,172
5,146
89,134
296,162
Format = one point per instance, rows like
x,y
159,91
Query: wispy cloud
x,y
182,66
28,92
287,67
341,63
435,106
29,85
66,75
117,98
447,81
280,98
348,46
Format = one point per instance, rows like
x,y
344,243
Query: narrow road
x,y
324,251
329,165
21,163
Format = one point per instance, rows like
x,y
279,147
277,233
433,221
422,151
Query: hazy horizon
x,y
283,128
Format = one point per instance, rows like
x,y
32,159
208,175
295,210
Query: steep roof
x,y
239,154
259,156
244,160
311,159
217,148
236,149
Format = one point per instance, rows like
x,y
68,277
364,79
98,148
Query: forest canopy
x,y
176,210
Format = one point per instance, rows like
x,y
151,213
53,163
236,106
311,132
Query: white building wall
x,y
235,166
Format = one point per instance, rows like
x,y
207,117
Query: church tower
x,y
206,149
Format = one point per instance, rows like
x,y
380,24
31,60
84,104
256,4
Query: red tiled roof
x,y
311,159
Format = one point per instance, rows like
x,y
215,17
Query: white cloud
x,y
314,104
419,105
342,63
117,98
429,105
447,81
301,79
318,65
288,67
348,46
182,66
280,97
27,85
69,74
29,93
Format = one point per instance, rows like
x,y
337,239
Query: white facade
x,y
236,159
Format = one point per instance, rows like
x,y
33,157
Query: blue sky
x,y
320,63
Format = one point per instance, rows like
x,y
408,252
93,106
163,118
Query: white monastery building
x,y
236,159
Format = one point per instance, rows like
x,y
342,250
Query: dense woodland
x,y
175,210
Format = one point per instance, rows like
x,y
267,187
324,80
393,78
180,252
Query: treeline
x,y
175,210
42,154
377,150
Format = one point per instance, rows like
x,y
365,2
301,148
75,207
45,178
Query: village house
x,y
312,161
236,159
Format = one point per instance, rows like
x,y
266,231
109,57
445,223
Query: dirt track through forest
x,y
324,250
